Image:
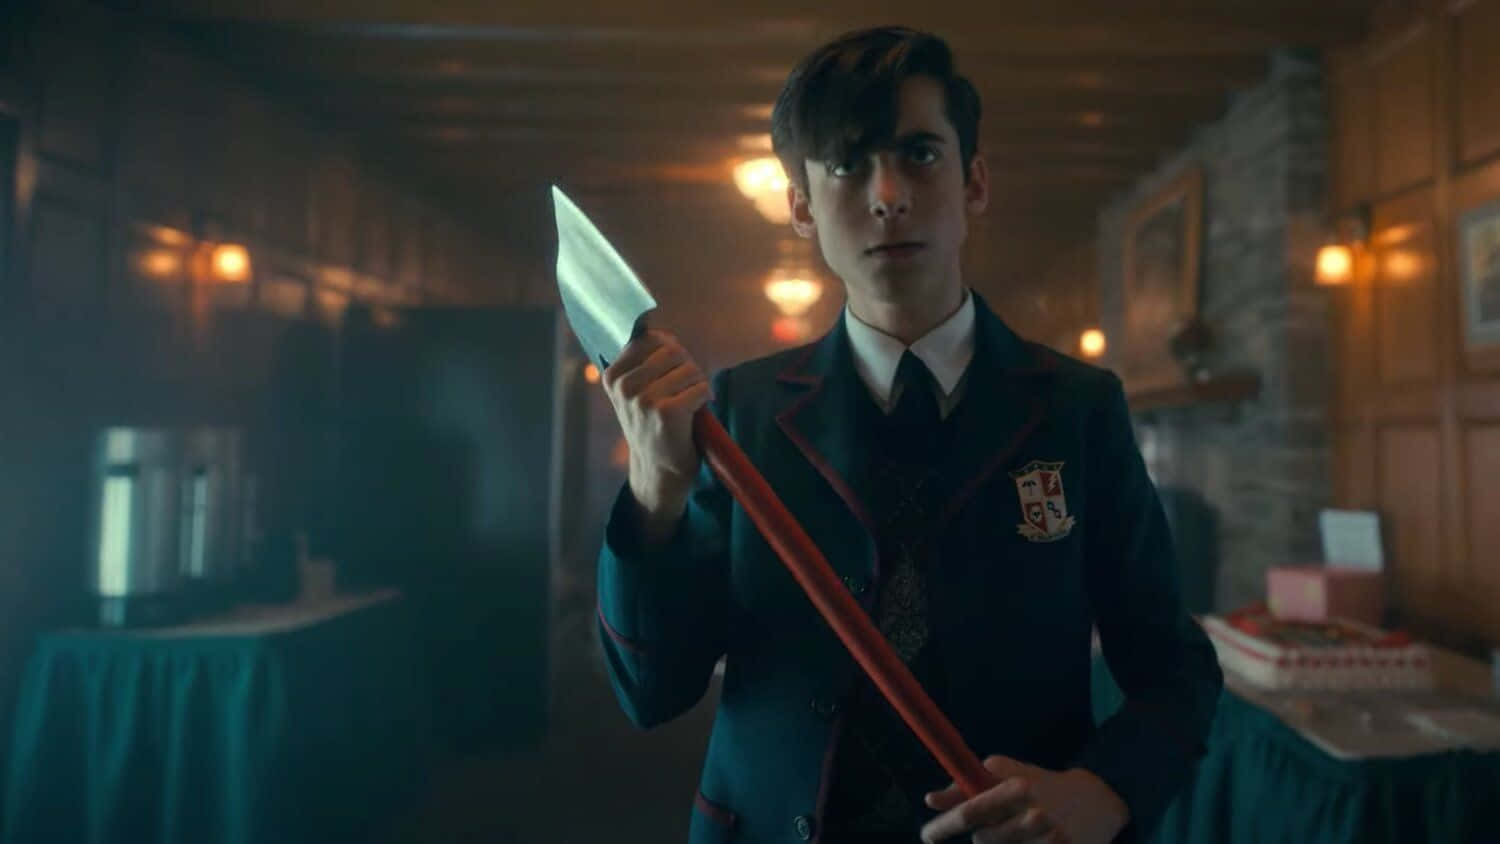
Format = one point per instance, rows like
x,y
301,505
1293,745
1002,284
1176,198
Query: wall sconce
x,y
793,286
1092,343
763,182
793,296
158,263
1336,259
221,263
591,373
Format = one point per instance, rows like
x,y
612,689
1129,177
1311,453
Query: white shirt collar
x,y
946,350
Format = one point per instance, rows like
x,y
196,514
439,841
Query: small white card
x,y
1351,538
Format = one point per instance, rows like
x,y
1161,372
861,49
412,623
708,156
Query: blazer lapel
x,y
821,421
1005,400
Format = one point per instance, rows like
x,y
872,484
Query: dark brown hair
x,y
840,101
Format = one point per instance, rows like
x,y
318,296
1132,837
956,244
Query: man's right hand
x,y
655,388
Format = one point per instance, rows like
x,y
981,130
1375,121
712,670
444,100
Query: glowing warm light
x,y
1393,235
619,456
164,235
790,330
1092,343
231,263
1402,265
763,182
793,296
1335,264
159,263
591,373
754,143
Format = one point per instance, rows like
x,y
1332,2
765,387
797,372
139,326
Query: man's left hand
x,y
1030,805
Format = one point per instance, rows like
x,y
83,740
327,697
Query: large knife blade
x,y
601,295
605,303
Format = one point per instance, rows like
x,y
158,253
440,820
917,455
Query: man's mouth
x,y
896,248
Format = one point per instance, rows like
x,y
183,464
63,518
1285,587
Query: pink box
x,y
1318,593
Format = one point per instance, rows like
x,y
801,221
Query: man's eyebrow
x,y
920,136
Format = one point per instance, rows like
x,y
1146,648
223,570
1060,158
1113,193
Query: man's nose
x,y
890,195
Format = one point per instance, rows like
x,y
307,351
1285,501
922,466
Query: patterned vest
x,y
880,769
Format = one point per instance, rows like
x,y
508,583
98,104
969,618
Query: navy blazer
x,y
1053,527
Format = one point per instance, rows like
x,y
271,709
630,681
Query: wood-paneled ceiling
x,y
1079,98
641,109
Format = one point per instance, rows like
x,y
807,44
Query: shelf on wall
x,y
1222,388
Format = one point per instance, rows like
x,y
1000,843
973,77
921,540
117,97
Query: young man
x,y
983,497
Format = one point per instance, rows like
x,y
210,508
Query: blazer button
x,y
803,825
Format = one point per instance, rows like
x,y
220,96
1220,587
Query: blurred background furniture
x,y
301,722
1335,767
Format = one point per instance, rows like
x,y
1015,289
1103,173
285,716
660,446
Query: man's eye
x,y
923,155
844,168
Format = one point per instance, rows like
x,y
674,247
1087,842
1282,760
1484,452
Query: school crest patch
x,y
1044,507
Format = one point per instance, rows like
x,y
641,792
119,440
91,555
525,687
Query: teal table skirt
x,y
314,734
1262,783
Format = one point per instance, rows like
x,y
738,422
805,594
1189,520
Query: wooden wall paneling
x,y
1482,468
1406,311
77,79
1411,403
1352,145
375,235
1479,400
1352,180
1403,111
246,161
1477,44
68,237
1411,503
1354,468
460,247
1352,319
477,273
335,205
289,225
67,242
215,185
437,254
406,228
160,148
10,136
1456,545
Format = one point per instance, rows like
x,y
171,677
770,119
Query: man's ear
x,y
977,190
802,219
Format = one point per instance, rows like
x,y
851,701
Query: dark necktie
x,y
881,768
901,611
916,407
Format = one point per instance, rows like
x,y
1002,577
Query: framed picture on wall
x,y
1160,278
1479,270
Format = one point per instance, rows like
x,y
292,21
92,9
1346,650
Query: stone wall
x,y
1258,469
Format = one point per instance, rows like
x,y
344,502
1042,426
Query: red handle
x,y
847,618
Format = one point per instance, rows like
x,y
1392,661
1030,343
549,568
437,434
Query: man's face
x,y
891,222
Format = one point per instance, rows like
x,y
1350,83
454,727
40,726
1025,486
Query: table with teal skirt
x,y
1264,782
302,723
